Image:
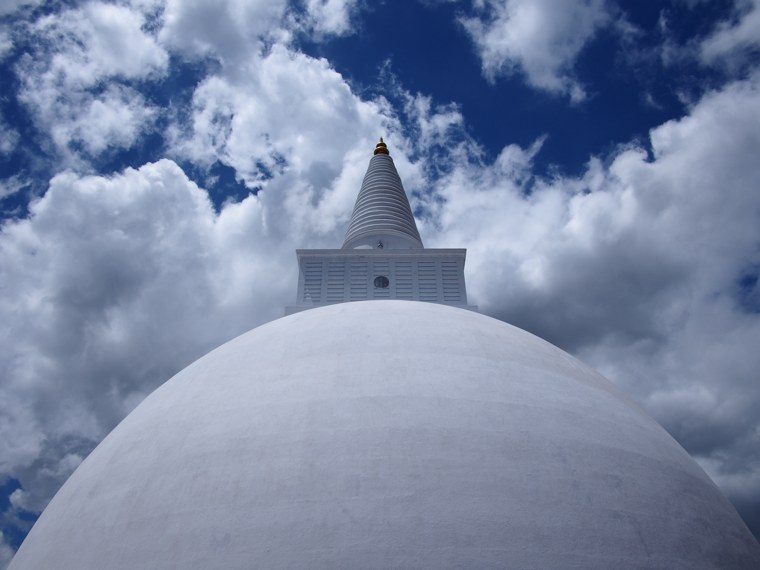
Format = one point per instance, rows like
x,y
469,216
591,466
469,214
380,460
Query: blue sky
x,y
160,160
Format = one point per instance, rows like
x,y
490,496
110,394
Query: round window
x,y
381,282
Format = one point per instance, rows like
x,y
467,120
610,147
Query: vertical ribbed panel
x,y
427,281
336,271
382,209
450,278
358,281
312,290
403,280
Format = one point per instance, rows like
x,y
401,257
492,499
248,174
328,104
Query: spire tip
x,y
381,147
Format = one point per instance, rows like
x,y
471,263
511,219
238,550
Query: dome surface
x,y
388,434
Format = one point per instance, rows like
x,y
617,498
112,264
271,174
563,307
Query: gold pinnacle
x,y
381,147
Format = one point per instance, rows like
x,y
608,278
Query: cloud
x,y
540,39
63,77
6,552
84,67
430,124
732,40
287,113
9,138
117,117
231,30
10,6
95,283
6,43
330,16
237,31
98,41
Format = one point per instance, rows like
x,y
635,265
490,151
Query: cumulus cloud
x,y
104,269
540,39
117,117
73,53
330,16
231,30
430,124
267,110
99,41
236,31
289,113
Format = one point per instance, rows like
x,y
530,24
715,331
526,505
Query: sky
x,y
161,160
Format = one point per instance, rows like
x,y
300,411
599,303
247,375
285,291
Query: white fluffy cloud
x,y
330,16
74,54
537,38
117,117
288,115
230,30
99,41
109,287
236,31
80,78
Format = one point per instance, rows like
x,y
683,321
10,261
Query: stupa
x,y
382,256
378,428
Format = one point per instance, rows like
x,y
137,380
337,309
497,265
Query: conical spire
x,y
382,215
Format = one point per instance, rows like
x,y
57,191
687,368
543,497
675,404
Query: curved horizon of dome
x,y
391,434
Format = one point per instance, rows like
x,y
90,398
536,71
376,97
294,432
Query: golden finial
x,y
381,147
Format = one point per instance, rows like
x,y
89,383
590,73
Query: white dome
x,y
388,434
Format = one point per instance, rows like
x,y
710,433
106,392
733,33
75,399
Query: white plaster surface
x,y
382,211
388,434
